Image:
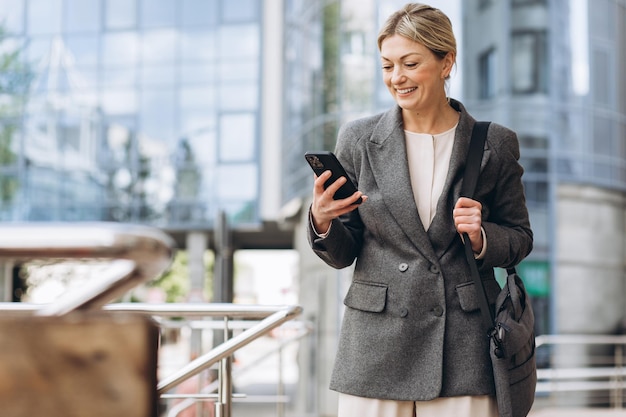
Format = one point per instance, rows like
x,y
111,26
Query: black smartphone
x,y
321,161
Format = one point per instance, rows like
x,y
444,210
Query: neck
x,y
435,120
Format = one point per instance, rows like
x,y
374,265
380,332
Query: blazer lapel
x,y
442,231
387,155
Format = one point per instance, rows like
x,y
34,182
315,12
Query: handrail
x,y
139,253
580,339
227,348
603,378
188,400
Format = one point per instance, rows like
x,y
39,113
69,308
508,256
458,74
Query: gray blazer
x,y
412,327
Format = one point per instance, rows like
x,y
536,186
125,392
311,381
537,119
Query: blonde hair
x,y
423,24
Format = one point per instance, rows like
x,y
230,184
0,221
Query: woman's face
x,y
413,74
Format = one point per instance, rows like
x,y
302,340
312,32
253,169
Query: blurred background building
x,y
193,116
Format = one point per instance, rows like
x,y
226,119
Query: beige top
x,y
429,160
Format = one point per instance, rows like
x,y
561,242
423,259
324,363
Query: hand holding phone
x,y
321,161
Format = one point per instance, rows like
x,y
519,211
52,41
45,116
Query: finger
x,y
318,185
465,202
332,188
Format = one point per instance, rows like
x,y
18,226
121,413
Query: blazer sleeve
x,y
505,219
341,246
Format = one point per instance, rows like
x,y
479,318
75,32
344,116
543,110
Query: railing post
x,y
617,391
225,388
280,412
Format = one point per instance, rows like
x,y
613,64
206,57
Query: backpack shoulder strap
x,y
470,178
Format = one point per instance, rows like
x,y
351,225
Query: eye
x,y
387,67
410,64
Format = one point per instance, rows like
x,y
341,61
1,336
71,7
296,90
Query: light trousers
x,y
467,406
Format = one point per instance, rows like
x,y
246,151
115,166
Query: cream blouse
x,y
429,160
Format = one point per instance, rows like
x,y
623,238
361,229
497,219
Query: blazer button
x,y
403,267
438,311
404,312
434,269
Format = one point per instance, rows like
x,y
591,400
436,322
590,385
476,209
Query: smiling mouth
x,y
406,90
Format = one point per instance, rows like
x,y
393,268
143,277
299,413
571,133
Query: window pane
x,y
120,14
82,15
487,73
200,98
157,114
198,45
158,13
602,80
529,62
240,70
120,49
119,102
116,77
198,74
239,41
523,62
159,46
84,49
199,12
12,15
44,17
237,181
240,11
163,75
239,96
237,137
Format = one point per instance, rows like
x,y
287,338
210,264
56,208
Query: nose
x,y
397,74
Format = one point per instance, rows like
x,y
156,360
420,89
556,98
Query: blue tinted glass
x,y
84,49
239,96
239,69
159,46
198,45
199,12
164,75
38,49
119,77
12,15
239,41
240,11
237,181
82,15
44,17
158,13
198,74
197,97
120,49
237,137
197,123
119,102
157,114
120,14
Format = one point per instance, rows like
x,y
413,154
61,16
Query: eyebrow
x,y
403,56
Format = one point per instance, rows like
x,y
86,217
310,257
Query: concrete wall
x,y
590,253
588,288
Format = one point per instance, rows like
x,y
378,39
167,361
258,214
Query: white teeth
x,y
406,90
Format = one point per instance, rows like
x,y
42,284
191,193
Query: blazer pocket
x,y
468,297
366,296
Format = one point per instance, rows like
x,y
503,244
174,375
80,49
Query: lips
x,y
405,90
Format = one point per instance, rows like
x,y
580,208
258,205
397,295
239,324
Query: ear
x,y
448,63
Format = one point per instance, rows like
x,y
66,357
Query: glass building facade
x,y
140,111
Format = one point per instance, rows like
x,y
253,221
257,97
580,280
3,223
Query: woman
x,y
412,342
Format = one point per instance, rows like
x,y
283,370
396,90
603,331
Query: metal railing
x,y
134,255
594,374
271,317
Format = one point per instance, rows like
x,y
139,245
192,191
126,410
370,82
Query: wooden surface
x,y
80,365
